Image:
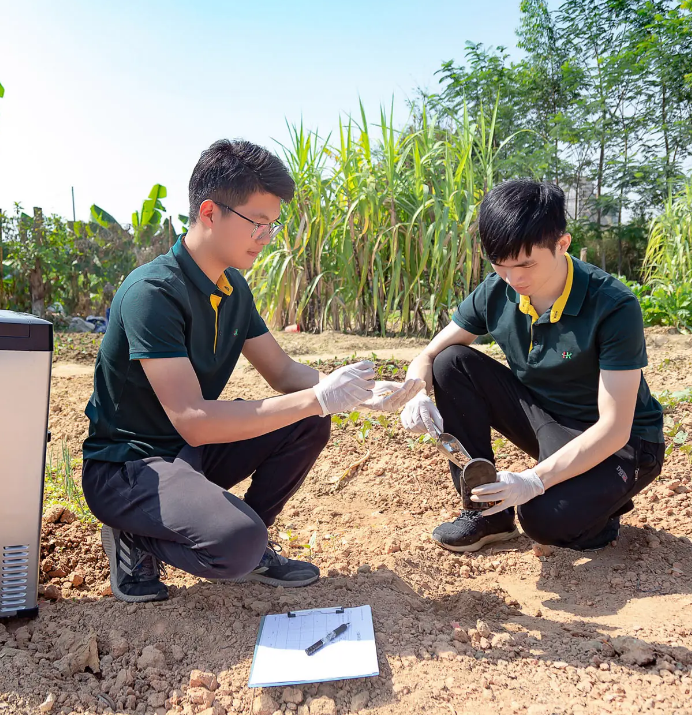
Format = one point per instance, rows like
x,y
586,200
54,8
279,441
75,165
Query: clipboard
x,y
279,658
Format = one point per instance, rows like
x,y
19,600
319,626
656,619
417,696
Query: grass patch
x,y
60,487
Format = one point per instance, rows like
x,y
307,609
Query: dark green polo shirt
x,y
164,309
595,325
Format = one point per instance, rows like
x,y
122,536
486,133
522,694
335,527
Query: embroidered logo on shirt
x,y
566,355
235,332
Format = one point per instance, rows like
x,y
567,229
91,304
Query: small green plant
x,y
498,446
678,437
364,431
60,486
670,400
414,443
383,421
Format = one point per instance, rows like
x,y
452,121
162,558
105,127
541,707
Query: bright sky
x,y
112,98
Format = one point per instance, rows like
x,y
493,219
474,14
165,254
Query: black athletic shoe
x,y
470,531
610,533
135,574
277,570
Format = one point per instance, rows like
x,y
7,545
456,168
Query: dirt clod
x,y
201,696
263,704
78,652
292,695
360,700
200,679
47,705
151,657
633,651
53,514
323,706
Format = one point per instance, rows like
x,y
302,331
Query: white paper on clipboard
x,y
280,657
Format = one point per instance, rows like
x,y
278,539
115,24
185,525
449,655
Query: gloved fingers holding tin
x,y
510,489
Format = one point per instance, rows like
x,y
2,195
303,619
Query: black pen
x,y
327,639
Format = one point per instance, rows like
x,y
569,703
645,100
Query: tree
x,y
663,37
545,89
489,88
38,259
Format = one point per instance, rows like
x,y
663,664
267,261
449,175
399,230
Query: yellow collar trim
x,y
559,305
526,307
226,288
223,285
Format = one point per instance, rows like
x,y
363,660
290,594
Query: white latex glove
x,y
510,489
392,396
420,415
346,388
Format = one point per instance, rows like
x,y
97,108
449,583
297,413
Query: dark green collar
x,y
580,284
192,270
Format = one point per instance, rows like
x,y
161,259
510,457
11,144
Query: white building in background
x,y
580,204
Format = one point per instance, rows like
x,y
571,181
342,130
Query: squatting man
x,y
163,448
573,396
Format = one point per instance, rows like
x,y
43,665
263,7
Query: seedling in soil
x,y
364,431
678,436
383,421
669,400
422,439
498,445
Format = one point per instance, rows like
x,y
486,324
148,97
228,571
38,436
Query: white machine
x,y
26,353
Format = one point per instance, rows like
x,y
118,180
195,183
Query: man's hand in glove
x,y
510,489
420,415
345,388
392,396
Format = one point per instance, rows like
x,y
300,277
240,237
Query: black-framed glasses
x,y
260,230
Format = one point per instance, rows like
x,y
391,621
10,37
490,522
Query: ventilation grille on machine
x,y
14,577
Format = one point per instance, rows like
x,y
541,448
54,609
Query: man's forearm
x,y
421,368
297,377
584,452
220,421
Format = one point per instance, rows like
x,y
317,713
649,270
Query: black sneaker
x,y
471,531
610,533
277,570
135,574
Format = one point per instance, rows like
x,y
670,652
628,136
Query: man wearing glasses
x,y
162,449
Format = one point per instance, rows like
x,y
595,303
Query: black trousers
x,y
474,392
180,511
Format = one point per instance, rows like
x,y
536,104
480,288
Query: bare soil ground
x,y
511,629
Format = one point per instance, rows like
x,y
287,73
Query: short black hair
x,y
231,171
520,214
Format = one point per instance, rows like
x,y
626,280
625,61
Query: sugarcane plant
x,y
380,237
